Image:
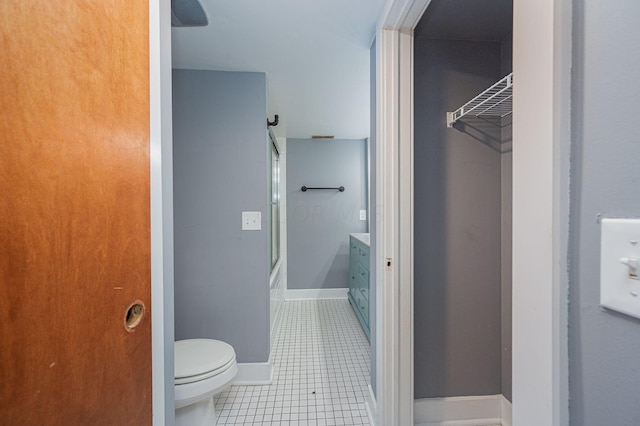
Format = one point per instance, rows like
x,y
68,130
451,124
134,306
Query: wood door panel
x,y
75,212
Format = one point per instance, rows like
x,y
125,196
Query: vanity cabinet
x,y
359,278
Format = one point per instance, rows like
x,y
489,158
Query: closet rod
x,y
306,188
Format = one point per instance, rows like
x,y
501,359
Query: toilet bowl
x,y
203,368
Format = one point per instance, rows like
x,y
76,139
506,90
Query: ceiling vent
x,y
188,13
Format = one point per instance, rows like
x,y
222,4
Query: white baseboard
x,y
483,410
256,373
507,418
316,293
372,406
476,422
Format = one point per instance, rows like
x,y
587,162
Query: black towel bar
x,y
306,188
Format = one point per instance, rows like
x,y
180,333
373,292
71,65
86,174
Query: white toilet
x,y
203,368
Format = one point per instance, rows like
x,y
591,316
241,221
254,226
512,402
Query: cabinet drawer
x,y
365,293
353,283
363,304
363,274
363,256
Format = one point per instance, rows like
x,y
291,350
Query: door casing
x,y
161,169
542,97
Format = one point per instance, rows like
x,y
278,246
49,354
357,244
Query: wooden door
x,y
74,212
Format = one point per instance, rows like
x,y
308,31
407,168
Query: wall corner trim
x,y
316,294
482,410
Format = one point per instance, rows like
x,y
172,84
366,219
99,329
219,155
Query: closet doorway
x,y
462,194
542,34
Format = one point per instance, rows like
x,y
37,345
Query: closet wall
x,y
462,224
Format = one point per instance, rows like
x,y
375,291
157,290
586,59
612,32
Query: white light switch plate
x,y
363,215
620,242
251,221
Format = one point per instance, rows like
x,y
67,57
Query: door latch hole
x,y
133,316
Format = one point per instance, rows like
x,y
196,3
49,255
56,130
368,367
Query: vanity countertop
x,y
361,237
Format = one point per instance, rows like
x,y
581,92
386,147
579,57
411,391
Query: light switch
x,y
363,215
619,264
251,221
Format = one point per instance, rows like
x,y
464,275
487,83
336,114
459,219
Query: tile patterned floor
x,y
321,372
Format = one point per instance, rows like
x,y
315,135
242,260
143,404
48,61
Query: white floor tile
x,y
321,371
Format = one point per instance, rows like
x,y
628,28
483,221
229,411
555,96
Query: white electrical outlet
x,y
251,221
363,215
619,265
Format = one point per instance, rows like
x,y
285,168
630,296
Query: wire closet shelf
x,y
493,102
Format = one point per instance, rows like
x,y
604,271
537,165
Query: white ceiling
x,y
315,54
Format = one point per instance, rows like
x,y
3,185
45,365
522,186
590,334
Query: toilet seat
x,y
200,359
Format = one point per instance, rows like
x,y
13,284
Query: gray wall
x,y
220,170
457,224
373,218
603,346
319,222
506,54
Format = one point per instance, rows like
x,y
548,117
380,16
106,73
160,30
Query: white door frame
x,y
541,131
394,196
161,170
541,148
